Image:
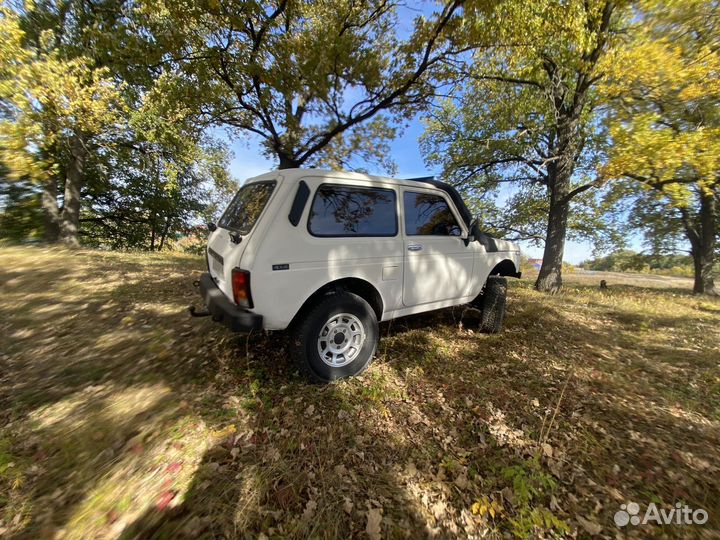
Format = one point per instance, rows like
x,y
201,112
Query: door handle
x,y
414,247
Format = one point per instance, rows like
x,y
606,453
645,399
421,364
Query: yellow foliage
x,y
485,506
50,99
665,128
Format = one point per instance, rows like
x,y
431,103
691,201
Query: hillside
x,y
123,417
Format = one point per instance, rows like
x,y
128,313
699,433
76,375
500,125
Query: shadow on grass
x,y
134,421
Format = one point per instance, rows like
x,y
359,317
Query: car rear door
x,y
234,229
438,265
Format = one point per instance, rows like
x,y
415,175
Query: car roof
x,y
294,175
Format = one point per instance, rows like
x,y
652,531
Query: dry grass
x,y
122,417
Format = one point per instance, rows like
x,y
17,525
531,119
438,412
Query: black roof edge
x,y
452,193
420,179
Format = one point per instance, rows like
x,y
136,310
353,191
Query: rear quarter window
x,y
353,211
246,207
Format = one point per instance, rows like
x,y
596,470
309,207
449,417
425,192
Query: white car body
x,y
400,275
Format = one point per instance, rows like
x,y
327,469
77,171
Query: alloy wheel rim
x,y
341,340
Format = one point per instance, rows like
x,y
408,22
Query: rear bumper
x,y
224,311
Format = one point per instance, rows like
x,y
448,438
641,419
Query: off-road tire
x,y
493,305
304,337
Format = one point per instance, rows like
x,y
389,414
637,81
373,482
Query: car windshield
x,y
246,207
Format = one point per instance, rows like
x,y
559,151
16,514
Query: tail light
x,y
241,288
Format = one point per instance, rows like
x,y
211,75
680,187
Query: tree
x,y
81,121
21,217
314,80
146,193
665,123
54,108
527,113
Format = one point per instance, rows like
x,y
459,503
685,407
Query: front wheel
x,y
337,338
493,305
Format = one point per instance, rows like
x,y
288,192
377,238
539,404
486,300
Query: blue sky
x,y
248,161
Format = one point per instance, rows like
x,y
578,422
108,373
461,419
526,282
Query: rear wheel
x,y
493,305
336,338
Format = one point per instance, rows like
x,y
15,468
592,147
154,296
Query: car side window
x,y
429,215
353,211
246,207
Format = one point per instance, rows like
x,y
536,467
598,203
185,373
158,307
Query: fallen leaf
x,y
112,516
508,495
285,496
374,517
461,481
590,527
547,449
348,506
410,469
310,410
309,512
165,499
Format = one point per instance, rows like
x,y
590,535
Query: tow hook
x,y
193,310
195,313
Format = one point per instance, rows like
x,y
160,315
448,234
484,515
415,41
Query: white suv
x,y
328,254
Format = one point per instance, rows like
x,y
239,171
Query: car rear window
x,y
353,211
246,207
428,215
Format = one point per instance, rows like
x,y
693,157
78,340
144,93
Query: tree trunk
x,y
286,162
51,211
152,231
168,220
559,174
75,175
702,242
550,276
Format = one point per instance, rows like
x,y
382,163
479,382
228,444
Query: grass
x,y
122,417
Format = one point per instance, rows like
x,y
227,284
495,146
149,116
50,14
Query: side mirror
x,y
211,227
472,228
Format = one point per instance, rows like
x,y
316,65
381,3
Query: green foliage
x,y
529,481
526,102
531,486
630,261
48,99
664,125
532,521
21,216
318,82
79,80
152,193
